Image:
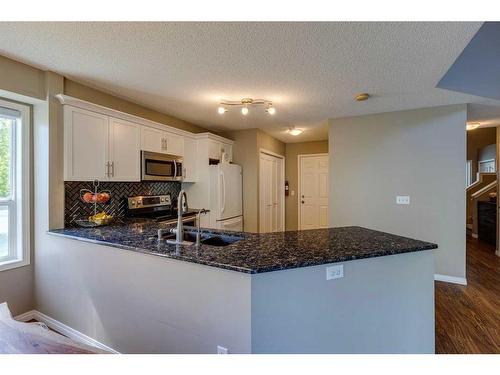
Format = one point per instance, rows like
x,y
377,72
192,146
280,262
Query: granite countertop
x,y
256,252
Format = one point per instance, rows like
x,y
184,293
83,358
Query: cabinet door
x,y
85,145
228,149
152,140
124,150
174,144
190,160
214,149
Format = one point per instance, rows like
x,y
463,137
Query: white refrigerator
x,y
226,197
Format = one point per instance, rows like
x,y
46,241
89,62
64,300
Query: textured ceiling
x,y
311,71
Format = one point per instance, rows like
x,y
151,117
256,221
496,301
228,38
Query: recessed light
x,y
295,131
221,110
472,125
362,97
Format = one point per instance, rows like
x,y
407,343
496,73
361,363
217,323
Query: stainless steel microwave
x,y
161,167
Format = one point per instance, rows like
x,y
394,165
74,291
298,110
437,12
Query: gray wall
x,y
420,153
382,305
138,303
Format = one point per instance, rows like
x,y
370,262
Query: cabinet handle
x,y
166,143
112,169
184,172
107,169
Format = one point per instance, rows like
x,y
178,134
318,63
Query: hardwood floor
x,y
468,317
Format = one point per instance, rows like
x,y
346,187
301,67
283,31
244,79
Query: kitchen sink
x,y
220,240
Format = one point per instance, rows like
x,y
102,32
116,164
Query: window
x,y
14,185
468,173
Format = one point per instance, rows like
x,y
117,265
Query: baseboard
x,y
63,329
450,279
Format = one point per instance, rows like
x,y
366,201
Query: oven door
x,y
161,167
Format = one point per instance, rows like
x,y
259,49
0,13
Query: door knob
x,y
303,202
302,195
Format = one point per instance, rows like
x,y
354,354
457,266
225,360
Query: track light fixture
x,y
245,103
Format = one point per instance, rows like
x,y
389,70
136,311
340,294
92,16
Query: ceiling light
x,y
295,131
472,125
362,97
245,103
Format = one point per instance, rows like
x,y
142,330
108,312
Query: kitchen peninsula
x,y
264,293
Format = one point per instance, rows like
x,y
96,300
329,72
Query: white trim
x,y
22,187
299,205
281,182
450,279
63,329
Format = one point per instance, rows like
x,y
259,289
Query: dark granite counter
x,y
255,253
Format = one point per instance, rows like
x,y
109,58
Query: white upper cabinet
x,y
124,150
156,140
217,148
100,147
105,144
190,160
152,140
86,136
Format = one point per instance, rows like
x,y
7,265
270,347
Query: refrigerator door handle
x,y
223,183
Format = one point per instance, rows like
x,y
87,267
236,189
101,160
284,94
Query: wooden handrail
x,y
483,190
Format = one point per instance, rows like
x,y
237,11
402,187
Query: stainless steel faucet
x,y
198,234
181,202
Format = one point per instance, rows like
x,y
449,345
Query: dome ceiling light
x,y
245,105
295,131
472,125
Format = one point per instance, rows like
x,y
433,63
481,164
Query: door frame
x,y
282,186
299,205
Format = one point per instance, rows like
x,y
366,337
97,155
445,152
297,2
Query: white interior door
x,y
313,199
271,193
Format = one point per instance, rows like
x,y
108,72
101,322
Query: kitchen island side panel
x,y
381,305
139,303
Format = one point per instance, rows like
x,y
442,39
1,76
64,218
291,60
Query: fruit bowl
x,y
97,220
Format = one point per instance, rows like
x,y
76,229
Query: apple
x,y
88,197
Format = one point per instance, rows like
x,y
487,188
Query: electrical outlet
x,y
335,272
222,350
403,199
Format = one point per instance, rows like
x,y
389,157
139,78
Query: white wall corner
x,y
450,279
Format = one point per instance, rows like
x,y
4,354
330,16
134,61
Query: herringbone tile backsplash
x,y
75,208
